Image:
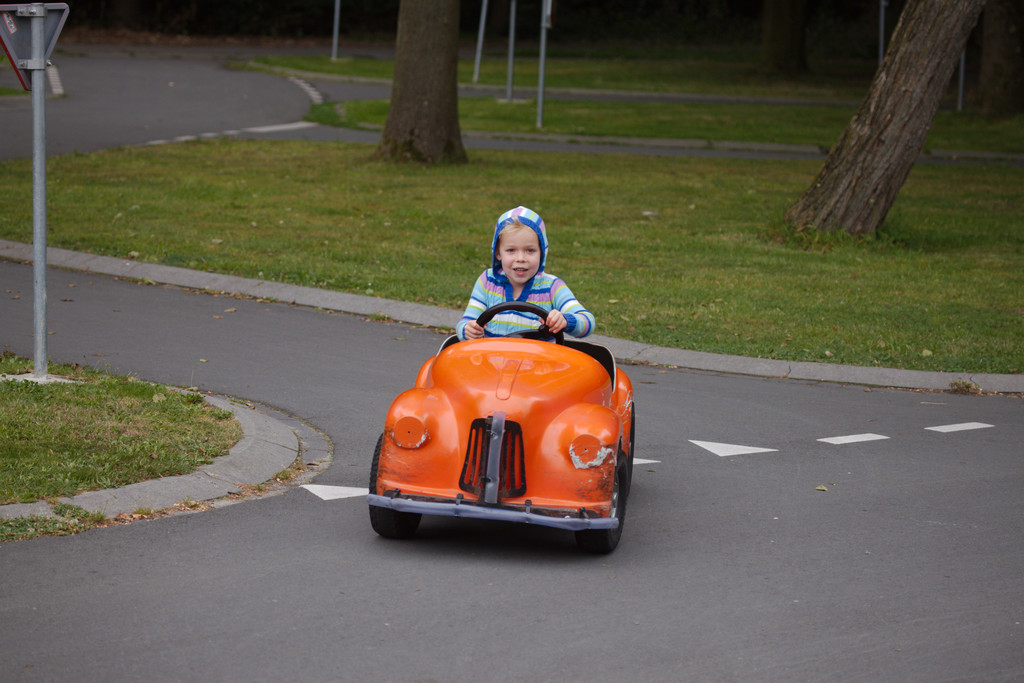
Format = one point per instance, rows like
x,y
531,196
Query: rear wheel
x,y
603,541
385,521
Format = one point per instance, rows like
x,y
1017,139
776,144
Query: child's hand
x,y
555,321
472,330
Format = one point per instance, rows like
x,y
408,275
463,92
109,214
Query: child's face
x,y
519,253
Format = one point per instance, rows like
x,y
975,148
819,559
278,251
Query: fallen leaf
x,y
821,488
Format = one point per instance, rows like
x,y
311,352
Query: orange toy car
x,y
510,428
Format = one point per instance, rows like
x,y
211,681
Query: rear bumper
x,y
471,510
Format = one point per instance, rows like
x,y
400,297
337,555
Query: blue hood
x,y
528,218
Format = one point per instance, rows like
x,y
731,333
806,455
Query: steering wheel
x,y
523,307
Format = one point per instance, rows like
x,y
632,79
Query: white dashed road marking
x,y
335,492
719,449
853,438
962,427
56,84
314,95
281,127
727,449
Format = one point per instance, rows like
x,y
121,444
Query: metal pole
x,y
38,27
545,24
511,48
337,21
960,87
480,41
881,30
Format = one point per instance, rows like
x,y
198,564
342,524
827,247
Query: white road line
x,y
961,427
335,492
853,438
641,461
56,85
298,125
314,95
727,449
276,128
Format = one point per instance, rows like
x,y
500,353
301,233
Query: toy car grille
x,y
511,471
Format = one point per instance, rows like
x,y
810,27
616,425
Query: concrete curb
x,y
420,314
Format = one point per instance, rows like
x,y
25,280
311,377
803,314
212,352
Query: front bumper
x,y
471,510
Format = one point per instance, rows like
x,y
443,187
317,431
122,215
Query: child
x,y
519,249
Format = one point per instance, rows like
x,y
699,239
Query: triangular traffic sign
x,y
16,35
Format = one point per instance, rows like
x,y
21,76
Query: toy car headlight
x,y
586,451
409,432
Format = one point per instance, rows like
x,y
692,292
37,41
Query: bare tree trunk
x,y
783,34
1002,58
423,120
867,167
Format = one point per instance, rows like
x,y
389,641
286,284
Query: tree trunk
x,y
873,157
1002,58
783,34
423,119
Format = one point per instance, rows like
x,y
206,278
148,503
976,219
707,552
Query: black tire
x,y
385,521
604,541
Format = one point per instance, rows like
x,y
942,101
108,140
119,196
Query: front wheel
x,y
604,541
385,521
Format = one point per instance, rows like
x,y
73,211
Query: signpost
x,y
547,9
29,34
545,24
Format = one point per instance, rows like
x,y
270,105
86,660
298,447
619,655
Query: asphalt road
x,y
732,567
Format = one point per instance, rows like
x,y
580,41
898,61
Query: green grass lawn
x,y
678,252
100,431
